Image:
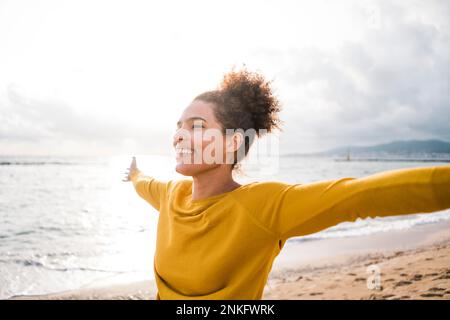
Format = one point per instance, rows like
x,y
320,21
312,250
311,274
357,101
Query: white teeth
x,y
183,151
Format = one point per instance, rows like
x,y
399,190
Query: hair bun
x,y
255,98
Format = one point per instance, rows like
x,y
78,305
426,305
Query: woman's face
x,y
199,141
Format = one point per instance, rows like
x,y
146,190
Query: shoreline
x,y
414,264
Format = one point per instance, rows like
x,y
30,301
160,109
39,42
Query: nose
x,y
177,137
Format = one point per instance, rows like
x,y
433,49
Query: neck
x,y
213,182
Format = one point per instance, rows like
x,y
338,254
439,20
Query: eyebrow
x,y
192,118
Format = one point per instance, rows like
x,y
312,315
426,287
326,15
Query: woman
x,y
217,239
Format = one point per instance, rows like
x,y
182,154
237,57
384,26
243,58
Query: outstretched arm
x,y
148,188
302,209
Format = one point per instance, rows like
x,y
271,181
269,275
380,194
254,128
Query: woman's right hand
x,y
131,170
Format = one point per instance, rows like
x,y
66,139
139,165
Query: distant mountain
x,y
395,148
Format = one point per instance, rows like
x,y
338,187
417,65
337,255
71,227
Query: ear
x,y
234,142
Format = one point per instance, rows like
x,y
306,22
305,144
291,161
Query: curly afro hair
x,y
244,100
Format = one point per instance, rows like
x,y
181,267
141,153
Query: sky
x,y
113,77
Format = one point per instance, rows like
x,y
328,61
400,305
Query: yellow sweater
x,y
223,247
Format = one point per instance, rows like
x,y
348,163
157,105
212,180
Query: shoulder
x,y
261,200
266,187
261,195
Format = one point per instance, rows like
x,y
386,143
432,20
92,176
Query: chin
x,y
184,169
187,169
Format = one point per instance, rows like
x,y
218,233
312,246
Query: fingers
x,y
132,167
127,177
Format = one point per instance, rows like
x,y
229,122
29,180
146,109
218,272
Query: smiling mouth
x,y
182,151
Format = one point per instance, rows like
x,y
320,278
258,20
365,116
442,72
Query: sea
x,y
70,222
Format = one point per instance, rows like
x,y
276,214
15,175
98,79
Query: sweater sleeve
x,y
149,188
299,209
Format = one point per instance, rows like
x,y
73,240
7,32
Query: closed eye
x,y
195,124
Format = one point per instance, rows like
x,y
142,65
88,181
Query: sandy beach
x,y
410,264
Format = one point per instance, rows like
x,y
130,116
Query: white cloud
x,y
116,75
390,84
31,124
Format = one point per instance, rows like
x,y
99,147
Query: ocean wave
x,y
24,233
36,263
37,163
